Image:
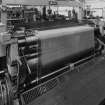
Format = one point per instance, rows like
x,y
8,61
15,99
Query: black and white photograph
x,y
52,52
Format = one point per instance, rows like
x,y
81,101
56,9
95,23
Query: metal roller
x,y
27,41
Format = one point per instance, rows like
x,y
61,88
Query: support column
x,y
3,28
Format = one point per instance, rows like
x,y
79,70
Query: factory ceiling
x,y
42,2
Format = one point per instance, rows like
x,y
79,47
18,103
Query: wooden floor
x,y
86,87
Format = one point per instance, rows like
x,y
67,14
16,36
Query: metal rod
x,y
66,67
